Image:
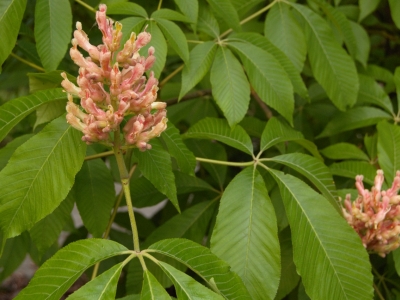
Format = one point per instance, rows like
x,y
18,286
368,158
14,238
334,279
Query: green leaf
x,y
230,87
126,8
168,14
283,31
129,25
52,32
357,117
145,192
152,289
39,175
205,264
199,64
371,92
8,150
342,151
187,184
366,8
177,149
396,258
155,165
103,287
50,111
186,287
263,43
175,37
395,12
226,10
58,273
350,169
218,129
397,83
45,232
207,22
15,110
331,65
13,255
333,264
363,43
389,149
267,77
49,80
315,171
190,9
11,13
246,234
95,195
383,75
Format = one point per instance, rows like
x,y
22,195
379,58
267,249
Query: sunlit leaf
x,y
126,8
169,14
342,151
131,24
152,289
8,150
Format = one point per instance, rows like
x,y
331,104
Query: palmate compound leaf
x,y
328,254
152,289
39,176
246,234
332,67
204,263
15,110
389,149
58,273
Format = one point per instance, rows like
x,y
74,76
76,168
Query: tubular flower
x,y
375,214
112,85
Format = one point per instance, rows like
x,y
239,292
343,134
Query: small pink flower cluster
x,y
112,85
375,214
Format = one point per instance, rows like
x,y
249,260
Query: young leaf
x,y
52,32
283,31
267,77
13,255
190,9
95,195
58,273
230,87
11,13
103,287
351,169
367,7
315,171
218,129
152,289
175,37
371,92
39,175
342,151
331,66
168,14
155,164
226,10
246,234
389,149
126,8
333,264
395,12
205,264
15,110
357,117
186,287
199,64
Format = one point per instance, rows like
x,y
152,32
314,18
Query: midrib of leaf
x,y
37,174
229,73
250,225
108,283
6,11
211,28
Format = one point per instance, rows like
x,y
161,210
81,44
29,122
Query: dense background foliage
x,y
274,107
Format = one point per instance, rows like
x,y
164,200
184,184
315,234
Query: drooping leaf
x,y
204,263
200,60
8,150
227,12
333,264
152,289
283,31
389,149
363,43
155,164
126,8
342,151
15,110
58,273
103,287
169,14
186,287
354,118
95,195
367,7
267,77
190,9
230,87
177,149
218,129
175,37
395,12
11,13
330,64
52,32
39,175
315,171
246,234
351,168
371,92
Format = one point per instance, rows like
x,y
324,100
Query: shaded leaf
x,y
190,8
389,149
49,80
207,22
363,43
395,12
367,7
13,255
371,92
397,83
50,111
351,169
227,12
343,151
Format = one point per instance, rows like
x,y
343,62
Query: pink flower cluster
x,y
375,214
112,85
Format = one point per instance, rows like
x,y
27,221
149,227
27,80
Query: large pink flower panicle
x,y
112,84
375,214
